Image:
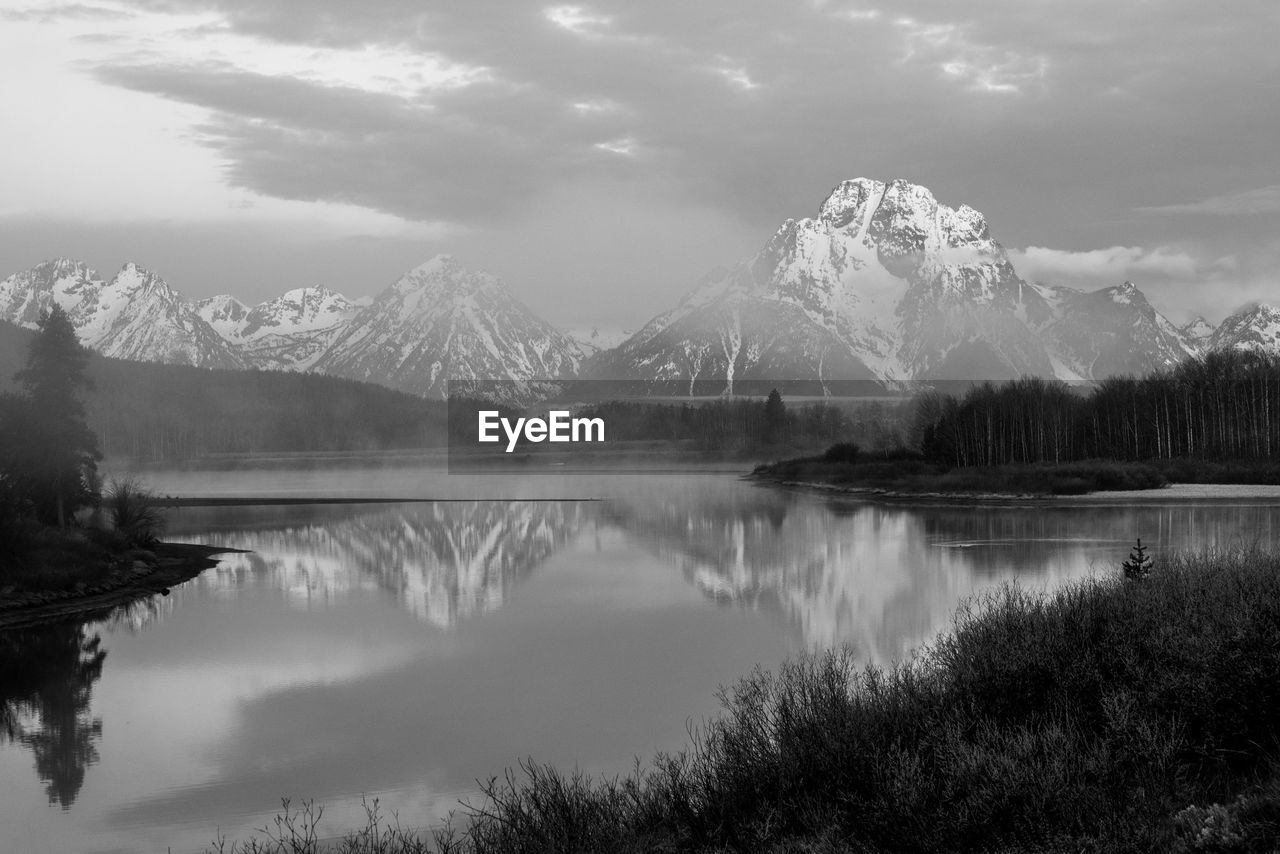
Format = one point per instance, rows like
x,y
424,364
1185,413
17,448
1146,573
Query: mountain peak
x,y
64,264
1253,327
441,321
310,295
1198,330
1125,293
135,278
850,201
1254,312
441,263
445,275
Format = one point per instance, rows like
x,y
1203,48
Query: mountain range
x,y
884,283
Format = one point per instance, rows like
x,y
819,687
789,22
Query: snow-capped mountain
x,y
134,316
288,333
595,339
1110,331
888,283
1254,327
440,322
1198,332
883,283
224,313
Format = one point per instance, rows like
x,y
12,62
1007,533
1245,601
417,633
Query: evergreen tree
x,y
775,417
1139,564
54,453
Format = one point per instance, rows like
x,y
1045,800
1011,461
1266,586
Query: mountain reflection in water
x,y
880,577
443,561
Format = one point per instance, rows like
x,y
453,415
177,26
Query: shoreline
x,y
893,496
175,563
287,501
1170,493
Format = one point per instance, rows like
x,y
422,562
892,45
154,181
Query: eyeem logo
x,y
558,426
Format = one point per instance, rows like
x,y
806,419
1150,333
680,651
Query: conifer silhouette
x,y
1139,564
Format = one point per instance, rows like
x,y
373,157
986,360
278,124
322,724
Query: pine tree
x,y
57,454
1138,565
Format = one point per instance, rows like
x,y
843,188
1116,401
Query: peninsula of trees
x,y
1214,419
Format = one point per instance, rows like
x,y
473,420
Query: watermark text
x,y
558,426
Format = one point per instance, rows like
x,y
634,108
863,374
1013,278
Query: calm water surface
x,y
403,651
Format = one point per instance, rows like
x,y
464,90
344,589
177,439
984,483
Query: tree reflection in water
x,y
47,675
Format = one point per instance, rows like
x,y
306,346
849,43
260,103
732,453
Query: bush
x,y
133,511
1086,720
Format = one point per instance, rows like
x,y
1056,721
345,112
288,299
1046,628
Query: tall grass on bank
x,y
133,512
1114,715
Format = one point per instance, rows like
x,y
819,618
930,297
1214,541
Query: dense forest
x,y
1224,406
150,411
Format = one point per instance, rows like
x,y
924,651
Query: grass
x,y
133,511
904,471
1113,715
295,830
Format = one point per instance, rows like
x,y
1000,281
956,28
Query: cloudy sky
x,y
603,156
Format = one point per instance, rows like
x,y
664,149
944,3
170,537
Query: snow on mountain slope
x,y
884,282
1198,333
1255,327
286,333
888,283
1111,331
224,313
595,338
440,322
134,316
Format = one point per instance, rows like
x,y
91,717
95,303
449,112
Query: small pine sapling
x,y
1139,564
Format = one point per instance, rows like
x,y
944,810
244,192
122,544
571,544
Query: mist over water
x,y
404,650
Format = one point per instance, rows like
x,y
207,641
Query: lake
x,y
402,651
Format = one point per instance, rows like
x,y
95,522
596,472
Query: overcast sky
x,y
603,156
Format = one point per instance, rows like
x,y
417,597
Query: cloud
x,y
1263,200
737,76
981,67
576,20
302,100
626,147
1110,265
53,12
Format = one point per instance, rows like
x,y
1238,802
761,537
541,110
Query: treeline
x,y
723,424
150,411
1223,406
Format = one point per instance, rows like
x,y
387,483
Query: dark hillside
x,y
151,411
